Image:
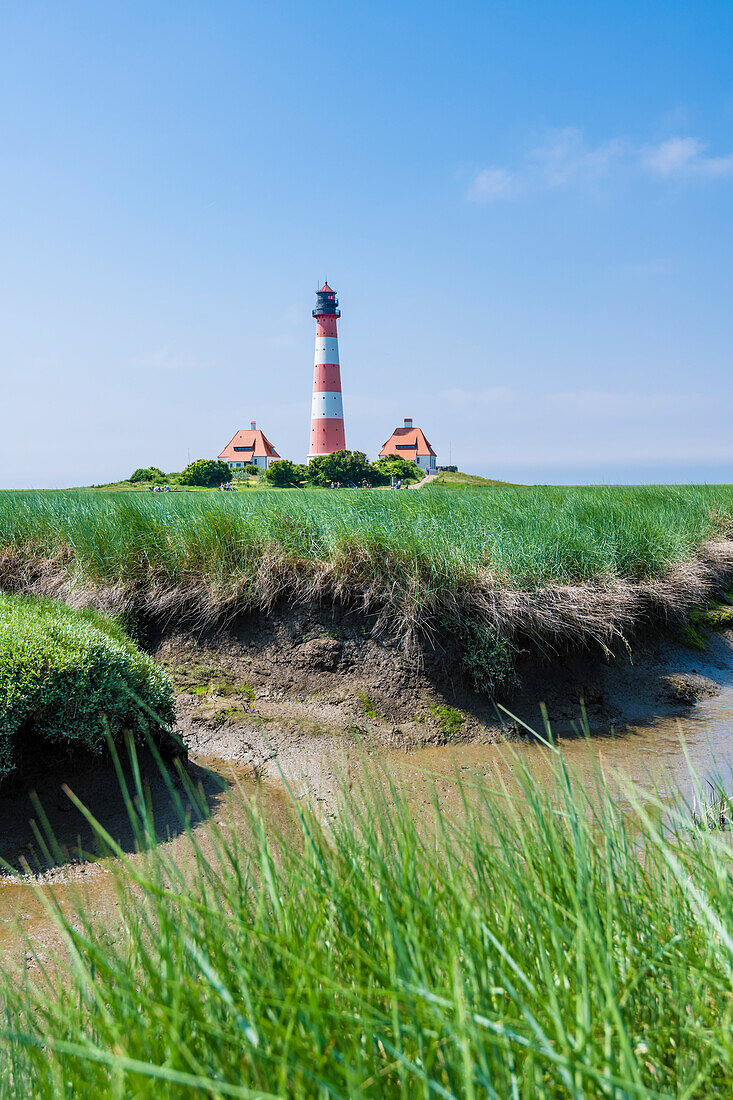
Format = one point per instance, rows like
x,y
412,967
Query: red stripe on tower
x,y
327,411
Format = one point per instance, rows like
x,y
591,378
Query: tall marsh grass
x,y
430,561
541,945
522,536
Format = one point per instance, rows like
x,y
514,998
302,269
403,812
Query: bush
x,y
347,467
393,466
283,473
67,676
146,473
207,472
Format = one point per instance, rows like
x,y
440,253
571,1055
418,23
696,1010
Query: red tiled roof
x,y
404,440
325,287
249,444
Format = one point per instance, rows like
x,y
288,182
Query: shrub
x,y
282,473
393,466
146,473
347,467
207,472
67,676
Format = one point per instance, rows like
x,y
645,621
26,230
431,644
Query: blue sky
x,y
525,207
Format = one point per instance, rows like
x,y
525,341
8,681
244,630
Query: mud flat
x,y
303,690
306,701
302,694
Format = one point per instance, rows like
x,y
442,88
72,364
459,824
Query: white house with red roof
x,y
410,443
249,447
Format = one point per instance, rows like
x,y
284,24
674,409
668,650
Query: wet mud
x,y
258,720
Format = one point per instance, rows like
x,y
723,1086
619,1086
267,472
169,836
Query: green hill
x,y
459,478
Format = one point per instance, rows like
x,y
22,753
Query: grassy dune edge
x,y
491,569
545,944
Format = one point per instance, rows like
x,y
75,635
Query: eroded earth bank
x,y
301,692
307,694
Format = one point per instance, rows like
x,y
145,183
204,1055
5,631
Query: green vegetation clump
x,y
284,474
487,656
245,473
538,945
222,690
147,473
391,466
342,467
206,472
367,705
68,678
449,720
714,615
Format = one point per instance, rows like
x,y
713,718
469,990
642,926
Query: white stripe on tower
x,y
327,349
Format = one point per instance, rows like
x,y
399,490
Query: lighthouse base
x,y
327,436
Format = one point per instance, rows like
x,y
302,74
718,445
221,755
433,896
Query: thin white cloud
x,y
164,358
686,156
565,160
492,183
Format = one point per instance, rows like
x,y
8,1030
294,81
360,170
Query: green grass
x,y
540,946
70,679
367,705
458,478
524,536
449,720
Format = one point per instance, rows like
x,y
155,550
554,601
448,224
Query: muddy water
x,y
662,754
658,753
77,881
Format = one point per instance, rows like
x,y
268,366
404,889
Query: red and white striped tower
x,y
327,413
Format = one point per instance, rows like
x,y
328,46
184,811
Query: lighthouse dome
x,y
326,303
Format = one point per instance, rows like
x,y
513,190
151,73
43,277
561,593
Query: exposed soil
x,y
303,694
298,689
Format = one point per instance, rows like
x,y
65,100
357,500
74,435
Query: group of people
x,y
364,485
161,489
227,487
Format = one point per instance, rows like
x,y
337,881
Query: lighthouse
x,y
327,411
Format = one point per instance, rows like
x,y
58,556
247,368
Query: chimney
x,y
253,424
408,422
